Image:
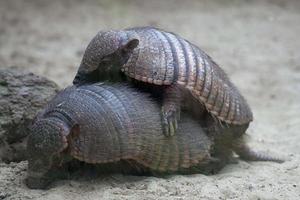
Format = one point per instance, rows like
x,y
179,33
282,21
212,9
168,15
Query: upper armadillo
x,y
110,123
162,58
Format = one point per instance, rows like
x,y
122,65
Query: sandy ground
x,y
256,42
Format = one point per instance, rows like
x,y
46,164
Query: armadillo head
x,y
45,142
104,56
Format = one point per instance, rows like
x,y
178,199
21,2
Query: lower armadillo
x,y
104,123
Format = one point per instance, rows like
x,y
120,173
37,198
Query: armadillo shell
x,y
118,123
164,58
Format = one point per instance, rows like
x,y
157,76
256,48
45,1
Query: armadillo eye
x,y
124,52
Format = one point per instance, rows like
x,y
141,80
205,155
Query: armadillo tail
x,y
245,153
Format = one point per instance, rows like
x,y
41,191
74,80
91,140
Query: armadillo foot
x,y
169,119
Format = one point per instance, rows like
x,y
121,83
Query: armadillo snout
x,y
37,175
84,75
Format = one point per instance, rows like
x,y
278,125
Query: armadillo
x,y
162,58
105,123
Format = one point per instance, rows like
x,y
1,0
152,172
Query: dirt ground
x,y
256,42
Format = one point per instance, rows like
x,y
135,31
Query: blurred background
x,y
255,41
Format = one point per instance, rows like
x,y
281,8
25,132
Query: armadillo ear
x,y
75,132
130,45
69,139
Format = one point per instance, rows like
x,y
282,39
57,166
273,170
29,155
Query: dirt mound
x,y
22,95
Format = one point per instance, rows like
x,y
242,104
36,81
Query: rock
x,y
22,95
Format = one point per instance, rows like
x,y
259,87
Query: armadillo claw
x,y
170,124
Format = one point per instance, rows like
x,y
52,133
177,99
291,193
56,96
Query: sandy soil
x,y
256,42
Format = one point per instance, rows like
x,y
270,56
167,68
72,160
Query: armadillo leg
x,y
218,129
245,153
171,109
